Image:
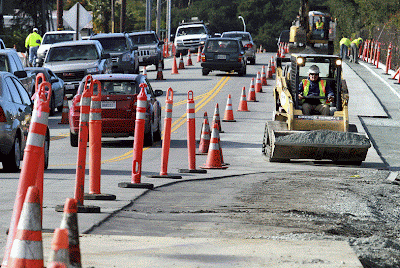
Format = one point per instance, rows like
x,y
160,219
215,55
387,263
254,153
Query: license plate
x,y
69,86
221,57
108,104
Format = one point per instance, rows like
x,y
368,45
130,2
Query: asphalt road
x,y
299,202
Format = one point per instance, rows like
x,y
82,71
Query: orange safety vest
x,y
306,88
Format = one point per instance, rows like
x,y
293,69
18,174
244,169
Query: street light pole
x,y
244,24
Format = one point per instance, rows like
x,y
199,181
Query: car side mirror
x,y
20,74
53,80
158,92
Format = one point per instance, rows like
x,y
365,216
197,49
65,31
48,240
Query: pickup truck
x,y
10,62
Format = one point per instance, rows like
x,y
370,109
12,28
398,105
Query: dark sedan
x,y
15,117
118,103
223,54
57,87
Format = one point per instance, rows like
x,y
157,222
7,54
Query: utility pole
x,y
60,25
158,19
123,16
148,15
112,17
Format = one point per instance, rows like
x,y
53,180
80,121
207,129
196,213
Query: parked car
x,y
10,62
149,48
71,61
123,53
223,54
15,117
57,87
118,102
53,37
247,41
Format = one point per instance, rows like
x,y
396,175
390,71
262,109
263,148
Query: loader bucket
x,y
343,147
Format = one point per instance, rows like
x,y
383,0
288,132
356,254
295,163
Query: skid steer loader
x,y
293,135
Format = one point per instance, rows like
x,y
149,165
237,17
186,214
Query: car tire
x,y
205,71
157,133
148,139
73,139
46,150
12,161
242,71
252,61
52,105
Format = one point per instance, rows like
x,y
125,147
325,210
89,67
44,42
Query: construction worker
x,y
32,43
344,47
319,25
315,93
355,45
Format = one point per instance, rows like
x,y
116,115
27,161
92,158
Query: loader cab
x,y
330,71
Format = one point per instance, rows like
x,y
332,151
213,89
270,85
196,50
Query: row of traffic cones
x,y
27,247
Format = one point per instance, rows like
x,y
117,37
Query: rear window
x,y
241,36
228,46
114,44
70,53
144,39
56,38
114,87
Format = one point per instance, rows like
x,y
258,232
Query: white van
x,y
53,37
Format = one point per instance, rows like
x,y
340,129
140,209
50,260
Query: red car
x,y
118,101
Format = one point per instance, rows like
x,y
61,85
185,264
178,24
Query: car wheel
x,y
73,139
242,71
148,139
253,61
46,150
157,133
52,105
12,161
205,71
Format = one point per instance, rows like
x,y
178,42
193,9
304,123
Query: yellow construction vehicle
x,y
293,135
312,31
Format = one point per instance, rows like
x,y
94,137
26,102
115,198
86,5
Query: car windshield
x,y
114,44
191,30
56,38
4,64
70,53
143,39
241,36
222,46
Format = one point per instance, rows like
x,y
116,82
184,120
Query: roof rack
x,y
191,22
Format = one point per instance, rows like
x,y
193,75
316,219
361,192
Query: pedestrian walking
x,y
344,47
32,43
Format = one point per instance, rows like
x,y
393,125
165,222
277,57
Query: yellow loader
x,y
293,135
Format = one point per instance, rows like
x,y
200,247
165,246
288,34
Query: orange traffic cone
x,y
269,70
205,138
181,64
273,65
243,102
214,160
216,118
144,72
199,55
174,67
258,83
189,60
70,222
59,247
159,72
252,92
263,77
65,111
228,116
27,248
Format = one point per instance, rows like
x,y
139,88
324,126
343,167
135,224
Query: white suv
x,y
53,37
190,36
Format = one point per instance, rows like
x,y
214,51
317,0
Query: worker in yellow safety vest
x,y
314,93
32,43
355,45
344,47
319,25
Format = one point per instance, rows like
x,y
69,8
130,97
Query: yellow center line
x,y
205,99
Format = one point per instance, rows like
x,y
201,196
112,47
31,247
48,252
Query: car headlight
x,y
126,57
179,42
93,70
